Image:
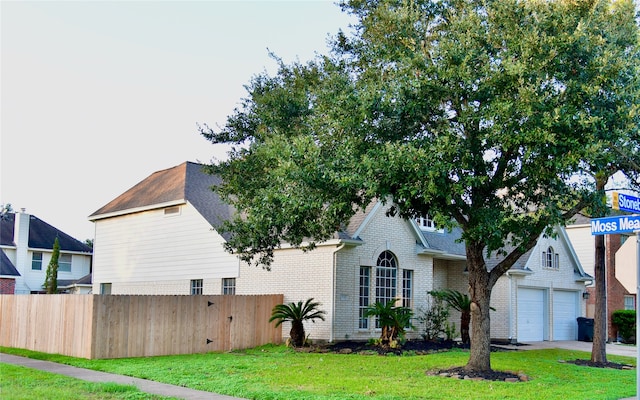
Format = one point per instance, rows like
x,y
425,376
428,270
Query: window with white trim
x,y
363,300
426,223
228,285
105,288
407,288
36,261
550,259
629,303
386,279
196,286
64,263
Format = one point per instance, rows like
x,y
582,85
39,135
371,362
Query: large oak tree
x,y
478,113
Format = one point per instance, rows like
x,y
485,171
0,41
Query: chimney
x,y
21,240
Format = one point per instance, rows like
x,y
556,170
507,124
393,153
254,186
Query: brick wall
x,y
615,290
7,286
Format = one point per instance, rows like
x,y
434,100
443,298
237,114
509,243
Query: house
x,y
159,238
620,265
26,244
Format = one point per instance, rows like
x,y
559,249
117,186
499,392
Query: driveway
x,y
612,348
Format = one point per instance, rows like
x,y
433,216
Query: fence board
x,y
94,326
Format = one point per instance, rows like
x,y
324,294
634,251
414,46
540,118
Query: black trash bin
x,y
585,329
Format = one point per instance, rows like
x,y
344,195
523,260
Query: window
x,y
365,279
229,286
426,223
64,263
105,288
36,261
407,288
196,286
550,259
386,279
629,303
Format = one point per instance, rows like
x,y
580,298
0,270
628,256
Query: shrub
x,y
436,317
625,321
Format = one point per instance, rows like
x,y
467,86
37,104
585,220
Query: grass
x,y
21,383
276,372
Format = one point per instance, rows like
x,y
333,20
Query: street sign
x,y
624,202
617,224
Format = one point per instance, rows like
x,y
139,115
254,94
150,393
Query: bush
x,y
435,317
625,321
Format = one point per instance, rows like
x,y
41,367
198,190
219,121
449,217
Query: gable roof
x,y
187,182
6,266
41,235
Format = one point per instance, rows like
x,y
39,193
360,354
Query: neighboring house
x,y
158,238
620,264
26,243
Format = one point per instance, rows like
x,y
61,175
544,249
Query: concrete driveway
x,y
612,348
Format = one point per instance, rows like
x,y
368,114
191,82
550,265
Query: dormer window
x,y
550,259
426,223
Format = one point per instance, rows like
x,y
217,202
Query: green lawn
x,y
276,372
21,383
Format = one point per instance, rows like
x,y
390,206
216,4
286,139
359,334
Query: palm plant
x,y
297,313
393,320
460,302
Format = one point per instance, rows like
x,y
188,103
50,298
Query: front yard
x,y
276,372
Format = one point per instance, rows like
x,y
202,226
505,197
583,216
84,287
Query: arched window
x,y
550,259
386,277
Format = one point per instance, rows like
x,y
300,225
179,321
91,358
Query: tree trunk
x,y
297,333
480,294
465,320
599,347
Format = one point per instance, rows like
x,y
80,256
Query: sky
x,y
97,95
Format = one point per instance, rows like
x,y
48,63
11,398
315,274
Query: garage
x,y
565,314
531,315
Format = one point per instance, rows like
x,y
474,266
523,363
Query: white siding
x,y
150,252
32,280
583,244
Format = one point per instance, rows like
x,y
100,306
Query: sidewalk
x,y
144,385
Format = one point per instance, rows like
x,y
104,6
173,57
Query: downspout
x,y
511,330
333,291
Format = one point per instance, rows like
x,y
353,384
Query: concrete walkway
x,y
612,348
144,385
180,392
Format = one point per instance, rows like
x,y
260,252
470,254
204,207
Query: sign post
x,y
625,224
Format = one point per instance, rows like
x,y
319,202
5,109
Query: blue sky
x,y
96,96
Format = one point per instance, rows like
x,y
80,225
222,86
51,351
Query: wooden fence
x,y
94,326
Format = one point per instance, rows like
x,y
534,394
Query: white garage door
x,y
565,324
531,311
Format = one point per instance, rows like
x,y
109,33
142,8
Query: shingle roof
x,y
85,280
41,235
448,241
6,266
185,182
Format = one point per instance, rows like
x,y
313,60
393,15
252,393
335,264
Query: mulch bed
x,y
589,363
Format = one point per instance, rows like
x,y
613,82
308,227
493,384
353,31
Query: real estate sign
x,y
625,202
617,224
